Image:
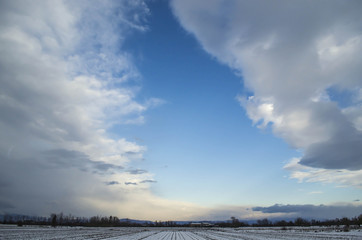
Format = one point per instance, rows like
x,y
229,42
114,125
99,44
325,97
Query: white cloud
x,y
65,80
341,178
290,55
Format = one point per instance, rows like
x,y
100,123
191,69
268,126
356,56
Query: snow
x,y
79,233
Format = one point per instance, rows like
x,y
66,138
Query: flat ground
x,y
46,232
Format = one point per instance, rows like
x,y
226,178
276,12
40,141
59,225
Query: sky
x,y
181,109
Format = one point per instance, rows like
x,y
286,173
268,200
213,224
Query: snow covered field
x,y
36,232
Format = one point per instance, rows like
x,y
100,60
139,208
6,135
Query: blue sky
x,y
181,109
201,138
200,133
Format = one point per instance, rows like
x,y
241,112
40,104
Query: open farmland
x,y
36,232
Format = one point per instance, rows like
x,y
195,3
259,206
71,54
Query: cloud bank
x,y
313,211
65,81
301,62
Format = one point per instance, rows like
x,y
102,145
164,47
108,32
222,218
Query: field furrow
x,y
8,232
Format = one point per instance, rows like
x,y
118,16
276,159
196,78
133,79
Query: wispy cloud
x,y
342,178
130,183
111,183
137,171
148,181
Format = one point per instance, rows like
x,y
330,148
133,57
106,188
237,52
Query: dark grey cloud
x,y
67,159
5,205
4,183
105,167
131,153
130,183
314,211
342,149
148,181
35,183
111,183
137,171
336,153
75,159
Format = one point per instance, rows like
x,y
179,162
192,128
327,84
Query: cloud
x,y
291,57
342,178
137,171
130,183
6,205
65,81
61,158
314,211
111,183
222,212
148,181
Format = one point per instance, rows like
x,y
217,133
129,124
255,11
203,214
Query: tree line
x,y
61,219
300,222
